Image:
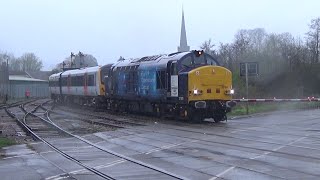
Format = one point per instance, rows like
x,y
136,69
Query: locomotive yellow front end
x,y
210,92
210,83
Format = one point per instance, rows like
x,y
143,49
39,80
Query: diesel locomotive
x,y
189,85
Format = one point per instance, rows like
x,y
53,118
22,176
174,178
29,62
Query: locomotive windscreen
x,y
191,61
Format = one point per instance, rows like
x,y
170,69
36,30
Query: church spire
x,y
183,37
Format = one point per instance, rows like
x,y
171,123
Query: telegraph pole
x,y
247,88
7,79
248,69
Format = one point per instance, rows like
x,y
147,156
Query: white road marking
x,y
46,152
278,148
57,177
241,130
222,173
18,156
167,147
261,155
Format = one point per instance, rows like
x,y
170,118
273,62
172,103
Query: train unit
x,y
189,85
83,86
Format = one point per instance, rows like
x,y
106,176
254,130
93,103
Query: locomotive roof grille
x,y
149,58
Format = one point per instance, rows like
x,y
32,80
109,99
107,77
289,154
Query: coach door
x,y
85,87
60,83
69,84
108,81
172,79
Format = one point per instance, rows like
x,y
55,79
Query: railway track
x,y
218,139
43,128
9,127
99,119
18,103
183,127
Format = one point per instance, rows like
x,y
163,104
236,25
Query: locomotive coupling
x,y
200,104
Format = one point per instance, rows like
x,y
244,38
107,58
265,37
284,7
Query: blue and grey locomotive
x,y
191,85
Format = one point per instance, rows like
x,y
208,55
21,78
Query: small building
x,y
19,84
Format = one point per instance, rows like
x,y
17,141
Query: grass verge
x,y
261,107
6,142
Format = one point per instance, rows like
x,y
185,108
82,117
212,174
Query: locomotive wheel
x,y
158,110
195,116
219,117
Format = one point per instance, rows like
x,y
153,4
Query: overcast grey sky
x,y
108,29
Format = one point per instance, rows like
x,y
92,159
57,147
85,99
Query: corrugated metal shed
x,y
20,84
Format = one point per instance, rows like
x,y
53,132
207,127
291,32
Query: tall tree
x,y
6,56
313,40
78,61
207,47
15,65
30,62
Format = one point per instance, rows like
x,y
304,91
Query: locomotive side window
x,y
173,69
130,81
161,78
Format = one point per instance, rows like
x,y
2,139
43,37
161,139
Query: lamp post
x,y
71,61
81,55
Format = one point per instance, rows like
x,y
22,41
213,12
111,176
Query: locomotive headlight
x,y
197,92
232,91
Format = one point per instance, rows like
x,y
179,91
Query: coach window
x,y
64,81
90,80
74,81
69,81
81,80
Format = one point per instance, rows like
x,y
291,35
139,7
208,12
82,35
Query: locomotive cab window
x,y
199,60
211,61
187,62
